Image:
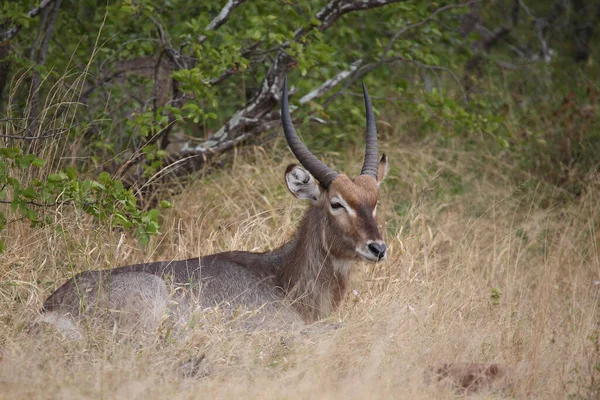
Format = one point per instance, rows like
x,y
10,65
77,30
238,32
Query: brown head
x,y
349,205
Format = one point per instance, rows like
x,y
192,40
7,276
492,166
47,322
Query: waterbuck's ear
x,y
301,183
382,170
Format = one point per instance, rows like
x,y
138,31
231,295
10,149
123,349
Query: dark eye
x,y
336,206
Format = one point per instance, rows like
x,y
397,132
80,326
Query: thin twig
x,y
353,78
330,83
173,54
33,203
541,24
390,99
221,18
432,67
50,135
424,21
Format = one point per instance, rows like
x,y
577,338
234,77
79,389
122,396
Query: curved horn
x,y
320,171
370,164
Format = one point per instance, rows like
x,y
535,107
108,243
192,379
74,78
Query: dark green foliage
x,y
144,89
105,199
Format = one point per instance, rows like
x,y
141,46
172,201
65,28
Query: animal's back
x,y
142,294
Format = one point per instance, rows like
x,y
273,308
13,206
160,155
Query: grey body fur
x,y
299,282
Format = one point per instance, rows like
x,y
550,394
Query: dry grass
x,y
479,270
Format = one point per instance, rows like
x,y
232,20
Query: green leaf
x,y
165,204
38,162
151,216
29,193
59,177
97,185
104,177
143,237
121,220
26,161
31,214
315,21
71,173
10,152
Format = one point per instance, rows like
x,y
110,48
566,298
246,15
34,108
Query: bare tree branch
x,y
268,97
260,114
175,57
336,8
518,51
33,203
541,25
15,29
359,72
330,83
221,18
41,136
48,33
269,120
366,68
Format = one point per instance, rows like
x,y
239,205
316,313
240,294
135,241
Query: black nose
x,y
377,248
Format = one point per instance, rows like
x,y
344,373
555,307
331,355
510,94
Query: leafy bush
x,y
105,199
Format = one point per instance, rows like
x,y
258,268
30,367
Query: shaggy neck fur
x,y
313,277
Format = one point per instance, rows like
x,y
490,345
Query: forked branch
x,y
253,117
15,29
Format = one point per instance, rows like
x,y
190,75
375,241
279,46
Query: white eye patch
x,y
338,204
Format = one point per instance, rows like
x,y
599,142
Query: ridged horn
x,y
320,171
371,155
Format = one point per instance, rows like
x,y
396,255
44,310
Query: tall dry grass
x,y
479,269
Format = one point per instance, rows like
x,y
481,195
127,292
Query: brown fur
x,y
361,196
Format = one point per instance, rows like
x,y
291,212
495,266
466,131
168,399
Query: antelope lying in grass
x,y
300,282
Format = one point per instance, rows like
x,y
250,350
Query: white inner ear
x,y
302,184
382,170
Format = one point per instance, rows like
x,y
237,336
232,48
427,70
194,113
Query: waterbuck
x,y
300,282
